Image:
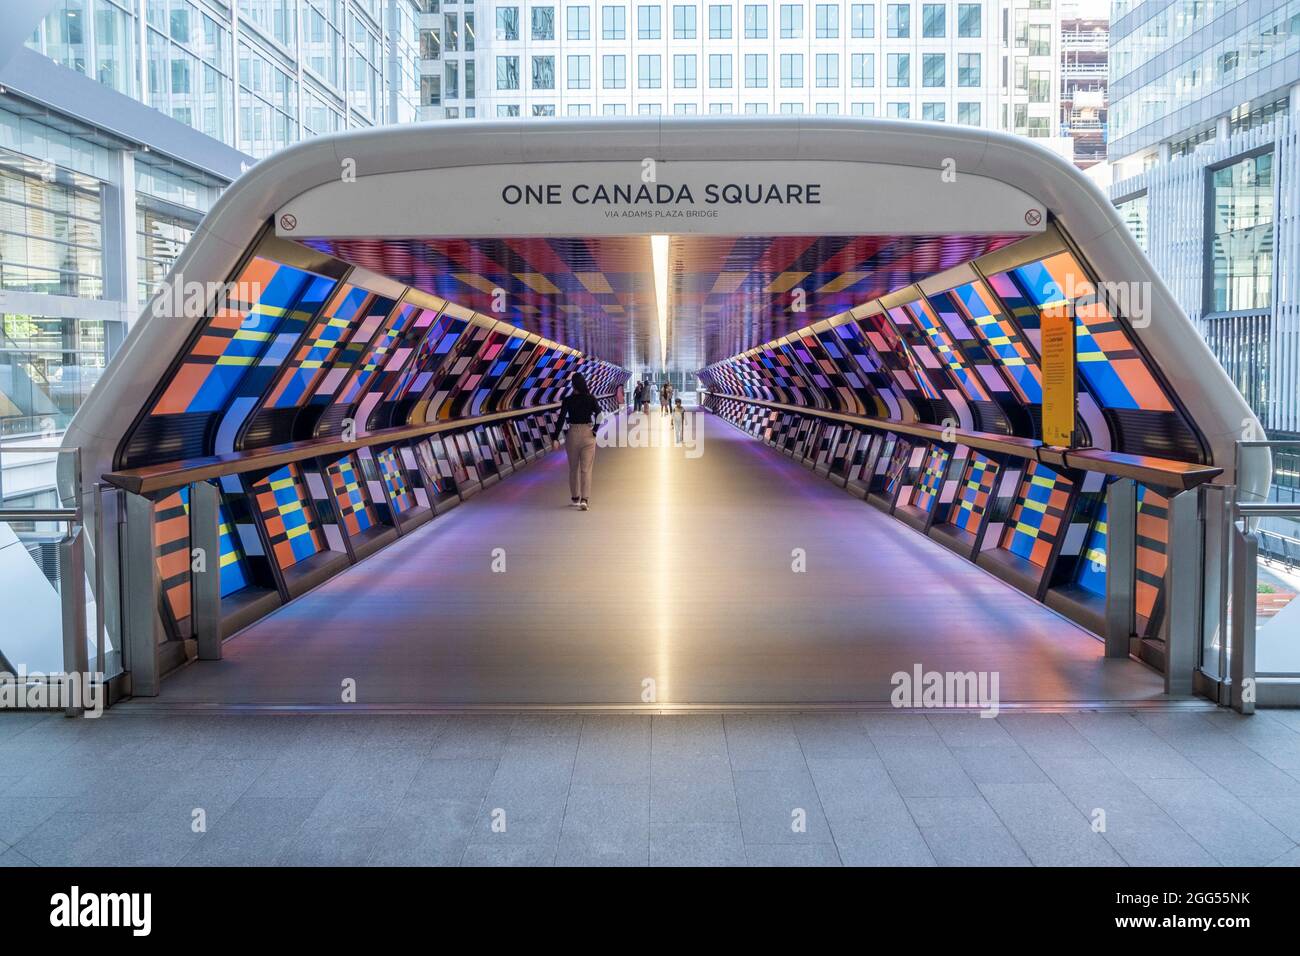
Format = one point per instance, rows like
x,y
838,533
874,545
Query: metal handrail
x,y
163,476
1165,473
72,515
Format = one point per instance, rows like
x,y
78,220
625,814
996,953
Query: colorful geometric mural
x,y
1039,511
976,490
350,496
286,512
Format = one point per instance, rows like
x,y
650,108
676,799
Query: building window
x,y
792,69
756,70
613,23
579,109
649,23
968,114
579,23
1040,86
719,22
686,109
828,21
758,109
933,69
50,230
1040,39
898,111
547,109
792,108
755,22
615,109
933,112
863,109
684,71
47,368
933,23
863,69
508,23
968,69
614,67
720,71
898,69
649,73
683,23
580,72
543,23
863,18
431,91
970,18
828,69
543,72
507,73
650,109
507,109
1241,239
1134,213
791,21
898,21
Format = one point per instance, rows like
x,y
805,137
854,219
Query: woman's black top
x,y
577,409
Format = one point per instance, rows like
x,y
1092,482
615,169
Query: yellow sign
x,y
1059,395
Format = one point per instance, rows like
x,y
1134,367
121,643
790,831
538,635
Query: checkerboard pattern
x,y
1039,512
350,496
286,513
931,480
976,490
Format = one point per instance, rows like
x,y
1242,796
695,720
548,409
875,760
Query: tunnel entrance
x,y
394,342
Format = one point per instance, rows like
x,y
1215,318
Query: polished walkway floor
x,y
680,575
1176,789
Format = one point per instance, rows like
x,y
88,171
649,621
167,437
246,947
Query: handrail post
x,y
1183,571
1121,565
205,582
140,615
1245,567
72,593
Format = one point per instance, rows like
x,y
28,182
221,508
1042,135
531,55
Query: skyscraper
x,y
982,63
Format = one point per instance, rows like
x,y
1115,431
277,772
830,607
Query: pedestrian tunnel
x,y
949,324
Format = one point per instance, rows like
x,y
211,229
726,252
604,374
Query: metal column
x,y
205,540
1241,660
72,592
1121,565
1183,578
140,601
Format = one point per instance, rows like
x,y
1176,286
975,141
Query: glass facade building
x,y
985,63
121,121
1203,151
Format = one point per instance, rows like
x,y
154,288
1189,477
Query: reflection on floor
x,y
680,575
1178,789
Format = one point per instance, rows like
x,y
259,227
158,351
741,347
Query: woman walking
x,y
582,413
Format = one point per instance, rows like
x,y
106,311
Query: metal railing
x,y
1238,562
71,570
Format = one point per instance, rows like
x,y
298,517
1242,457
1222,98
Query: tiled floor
x,y
1085,787
682,573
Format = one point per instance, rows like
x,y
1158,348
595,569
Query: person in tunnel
x,y
582,413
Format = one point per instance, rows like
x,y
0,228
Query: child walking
x,y
679,422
